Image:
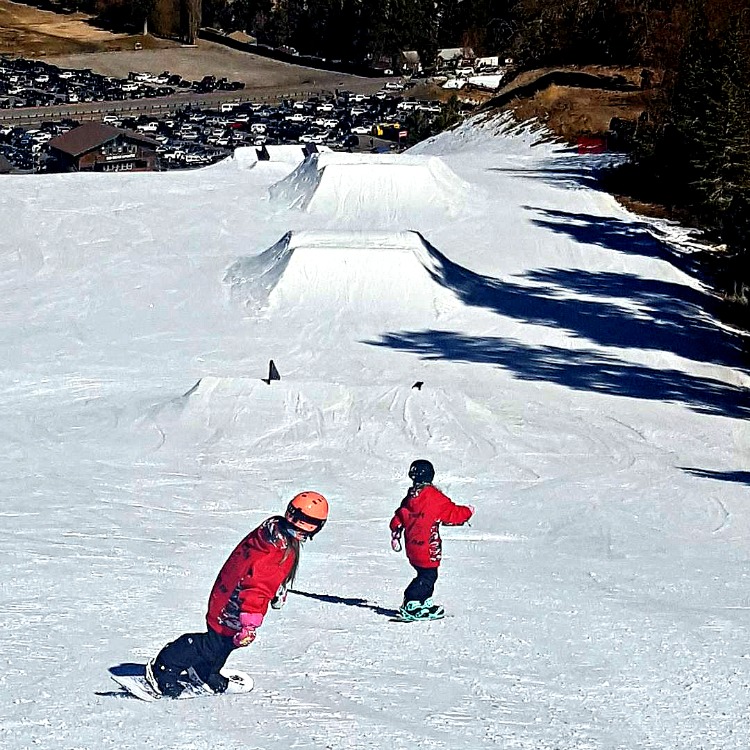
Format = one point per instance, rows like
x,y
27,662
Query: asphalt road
x,y
157,106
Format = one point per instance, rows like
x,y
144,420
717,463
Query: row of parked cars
x,y
197,136
191,136
35,83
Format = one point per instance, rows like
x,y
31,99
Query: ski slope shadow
x,y
568,172
581,369
354,187
348,601
608,309
630,237
742,477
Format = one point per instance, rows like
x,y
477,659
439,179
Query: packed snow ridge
x,y
376,273
385,185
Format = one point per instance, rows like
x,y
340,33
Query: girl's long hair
x,y
293,548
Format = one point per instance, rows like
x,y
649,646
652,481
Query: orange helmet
x,y
307,512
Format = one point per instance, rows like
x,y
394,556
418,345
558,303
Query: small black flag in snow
x,y
273,373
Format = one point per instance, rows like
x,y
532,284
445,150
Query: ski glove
x,y
396,540
250,621
280,599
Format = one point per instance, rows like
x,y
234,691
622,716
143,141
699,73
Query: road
x,y
158,106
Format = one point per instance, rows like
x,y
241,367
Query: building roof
x,y
91,135
241,36
454,53
410,55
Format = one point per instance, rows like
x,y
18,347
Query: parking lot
x,y
192,133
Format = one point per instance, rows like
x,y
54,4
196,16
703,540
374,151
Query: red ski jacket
x,y
420,515
250,577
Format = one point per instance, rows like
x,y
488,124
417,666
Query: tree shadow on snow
x,y
630,237
567,173
579,369
606,308
349,601
743,477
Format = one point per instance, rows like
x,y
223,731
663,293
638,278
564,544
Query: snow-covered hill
x,y
576,388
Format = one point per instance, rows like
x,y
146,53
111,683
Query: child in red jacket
x,y
256,574
421,512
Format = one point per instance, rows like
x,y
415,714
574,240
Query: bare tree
x,y
190,20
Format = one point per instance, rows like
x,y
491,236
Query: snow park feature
x,y
359,274
577,388
385,186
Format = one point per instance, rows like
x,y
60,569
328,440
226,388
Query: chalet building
x,y
409,62
453,57
96,147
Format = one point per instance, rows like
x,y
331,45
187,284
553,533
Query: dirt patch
x,y
207,58
585,107
572,112
26,31
71,41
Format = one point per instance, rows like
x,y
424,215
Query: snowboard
x,y
400,618
132,679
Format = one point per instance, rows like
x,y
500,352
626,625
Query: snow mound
x,y
379,272
358,185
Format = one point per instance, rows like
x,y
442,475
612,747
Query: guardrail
x,y
136,107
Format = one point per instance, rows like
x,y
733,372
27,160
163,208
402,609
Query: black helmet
x,y
421,471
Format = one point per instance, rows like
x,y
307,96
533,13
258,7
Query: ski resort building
x,y
95,147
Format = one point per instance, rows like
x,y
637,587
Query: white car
x,y
362,130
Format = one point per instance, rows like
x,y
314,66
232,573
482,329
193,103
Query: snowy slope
x,y
577,389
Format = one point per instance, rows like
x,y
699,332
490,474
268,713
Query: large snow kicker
x,y
384,186
384,274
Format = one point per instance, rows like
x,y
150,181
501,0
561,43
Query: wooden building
x,y
96,147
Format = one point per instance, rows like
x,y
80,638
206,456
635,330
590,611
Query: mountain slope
x,y
576,389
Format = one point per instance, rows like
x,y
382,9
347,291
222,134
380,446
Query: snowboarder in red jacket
x,y
419,517
256,574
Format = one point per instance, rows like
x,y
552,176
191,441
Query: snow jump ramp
x,y
384,186
380,274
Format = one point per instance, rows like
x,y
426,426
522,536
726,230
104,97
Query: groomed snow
x,y
577,389
384,187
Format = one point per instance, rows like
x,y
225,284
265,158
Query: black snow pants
x,y
206,653
421,588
